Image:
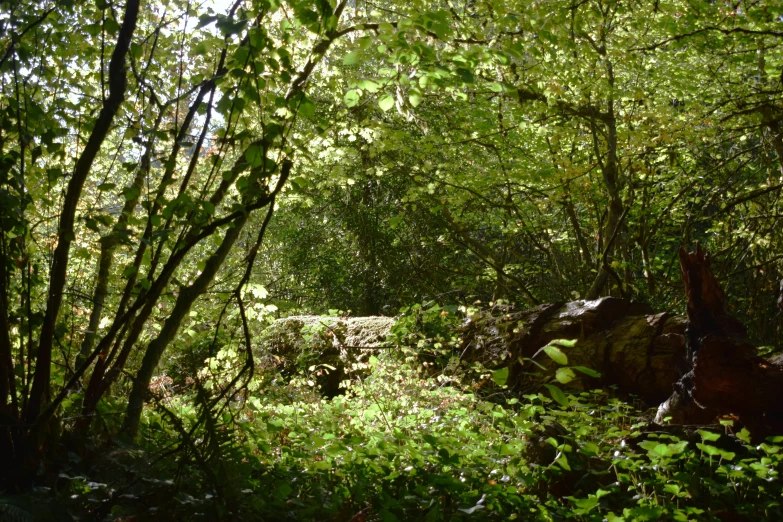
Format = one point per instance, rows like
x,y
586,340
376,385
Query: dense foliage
x,y
173,176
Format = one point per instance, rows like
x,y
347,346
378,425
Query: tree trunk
x,y
182,307
117,85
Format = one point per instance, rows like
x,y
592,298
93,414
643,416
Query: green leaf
x,y
282,490
369,86
205,20
587,371
727,455
106,186
564,375
130,193
558,395
386,103
136,50
307,108
563,462
255,155
500,376
352,58
555,354
708,436
586,503
466,75
712,451
415,97
674,489
591,449
351,98
111,26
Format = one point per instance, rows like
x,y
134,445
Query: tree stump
x,y
723,375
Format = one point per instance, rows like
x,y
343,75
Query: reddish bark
x,y
725,375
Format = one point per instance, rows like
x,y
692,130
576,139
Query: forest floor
x,y
412,435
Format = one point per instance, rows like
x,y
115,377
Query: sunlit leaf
x,y
386,103
500,376
564,375
558,395
555,354
351,98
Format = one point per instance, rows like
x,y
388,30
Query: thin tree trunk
x,y
611,183
182,307
584,248
117,86
187,297
108,245
7,382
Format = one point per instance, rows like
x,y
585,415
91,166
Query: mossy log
x,y
329,343
630,346
697,368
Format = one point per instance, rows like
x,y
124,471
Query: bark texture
x,y
724,375
629,345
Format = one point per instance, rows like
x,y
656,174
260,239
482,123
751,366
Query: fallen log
x,y
327,344
694,374
632,348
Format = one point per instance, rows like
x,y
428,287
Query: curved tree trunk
x,y
111,105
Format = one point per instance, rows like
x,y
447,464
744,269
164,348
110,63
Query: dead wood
x,y
724,375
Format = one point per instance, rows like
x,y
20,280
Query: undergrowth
x,y
415,436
